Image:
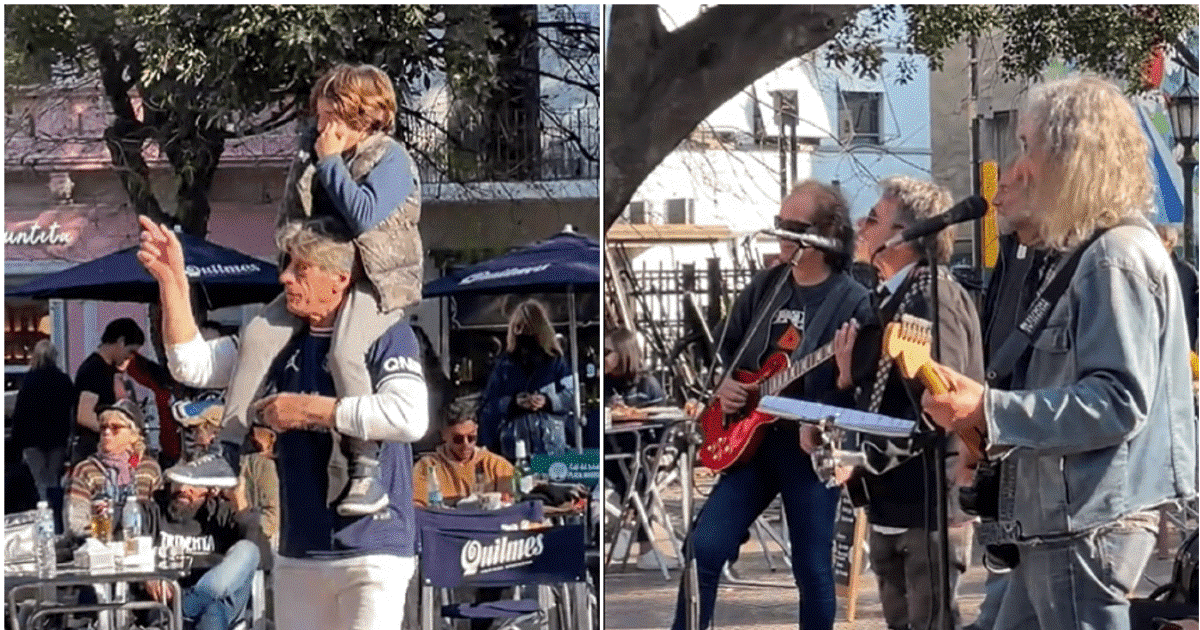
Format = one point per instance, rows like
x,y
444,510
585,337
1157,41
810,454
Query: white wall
x,y
739,186
904,123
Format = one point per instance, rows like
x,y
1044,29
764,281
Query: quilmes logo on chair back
x,y
506,552
498,547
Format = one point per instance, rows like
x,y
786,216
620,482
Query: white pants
x,y
364,593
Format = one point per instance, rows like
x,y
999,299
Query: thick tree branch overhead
x,y
660,84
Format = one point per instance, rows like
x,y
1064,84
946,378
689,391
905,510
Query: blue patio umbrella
x,y
566,262
220,277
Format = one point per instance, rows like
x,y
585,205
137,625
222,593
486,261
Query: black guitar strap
x,y
1004,360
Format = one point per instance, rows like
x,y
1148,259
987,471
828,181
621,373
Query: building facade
x,y
533,170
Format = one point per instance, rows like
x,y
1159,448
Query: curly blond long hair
x,y
361,95
1095,169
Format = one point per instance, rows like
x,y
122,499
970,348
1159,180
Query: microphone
x,y
815,241
968,209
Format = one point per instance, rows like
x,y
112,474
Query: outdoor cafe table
x,y
646,460
46,591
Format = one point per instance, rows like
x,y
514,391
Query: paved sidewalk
x,y
637,600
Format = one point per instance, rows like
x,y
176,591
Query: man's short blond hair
x,y
319,242
918,199
1096,169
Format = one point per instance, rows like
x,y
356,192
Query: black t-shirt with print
x,y
801,305
95,375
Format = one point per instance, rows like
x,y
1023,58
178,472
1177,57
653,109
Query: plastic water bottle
x,y
434,498
43,542
131,518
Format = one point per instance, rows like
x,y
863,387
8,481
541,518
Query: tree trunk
x,y
126,135
194,150
659,85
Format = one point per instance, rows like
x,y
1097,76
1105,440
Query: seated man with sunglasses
x,y
458,458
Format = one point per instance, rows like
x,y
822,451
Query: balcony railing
x,y
513,146
64,129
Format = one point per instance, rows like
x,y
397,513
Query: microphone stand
x,y
691,609
935,464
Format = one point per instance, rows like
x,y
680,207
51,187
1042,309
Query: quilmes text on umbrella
x,y
480,276
208,271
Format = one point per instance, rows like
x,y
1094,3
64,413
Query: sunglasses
x,y
113,428
465,439
871,219
791,226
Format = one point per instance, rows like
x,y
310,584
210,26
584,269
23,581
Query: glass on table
x,y
102,518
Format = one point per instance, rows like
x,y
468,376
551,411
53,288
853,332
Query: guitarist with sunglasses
x,y
898,493
814,300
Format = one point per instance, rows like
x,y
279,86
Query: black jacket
x,y
44,410
820,384
1010,290
894,496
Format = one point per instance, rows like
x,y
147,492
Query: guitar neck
x,y
935,385
774,384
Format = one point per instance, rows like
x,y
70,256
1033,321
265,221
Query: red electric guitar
x,y
732,438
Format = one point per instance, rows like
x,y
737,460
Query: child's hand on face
x,y
336,137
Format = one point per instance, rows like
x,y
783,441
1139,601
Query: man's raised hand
x,y
160,252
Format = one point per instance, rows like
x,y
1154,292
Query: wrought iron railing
x,y
659,298
507,146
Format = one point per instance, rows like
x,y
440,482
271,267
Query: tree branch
x,y
1184,55
660,85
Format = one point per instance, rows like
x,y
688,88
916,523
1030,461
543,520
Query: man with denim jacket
x,y
1098,429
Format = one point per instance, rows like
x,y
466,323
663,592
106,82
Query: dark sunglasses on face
x,y
791,226
465,439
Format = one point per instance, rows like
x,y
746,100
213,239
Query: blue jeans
x,y
993,594
779,467
220,596
1081,583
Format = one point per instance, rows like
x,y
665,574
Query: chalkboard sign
x,y
848,534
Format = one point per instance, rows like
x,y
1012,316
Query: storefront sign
x,y
37,235
569,467
71,233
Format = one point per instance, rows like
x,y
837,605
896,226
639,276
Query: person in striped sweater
x,y
119,468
